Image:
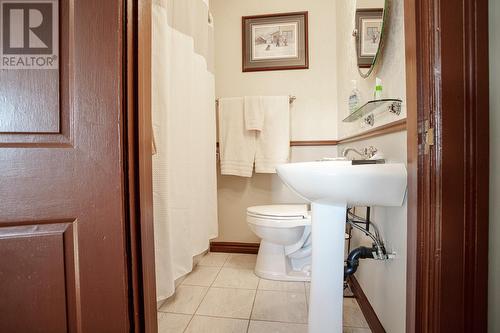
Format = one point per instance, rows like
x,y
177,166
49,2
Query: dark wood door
x,y
63,264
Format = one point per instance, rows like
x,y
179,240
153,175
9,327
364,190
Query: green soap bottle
x,y
378,89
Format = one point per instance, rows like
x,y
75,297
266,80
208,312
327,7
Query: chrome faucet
x,y
346,151
366,153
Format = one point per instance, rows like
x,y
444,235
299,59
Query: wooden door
x,y
63,263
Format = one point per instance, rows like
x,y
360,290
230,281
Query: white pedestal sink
x,y
331,186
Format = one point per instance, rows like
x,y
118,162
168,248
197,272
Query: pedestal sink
x,y
331,186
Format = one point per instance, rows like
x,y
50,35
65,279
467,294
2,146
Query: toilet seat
x,y
279,216
278,211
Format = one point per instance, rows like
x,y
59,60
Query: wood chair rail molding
x,y
314,143
393,127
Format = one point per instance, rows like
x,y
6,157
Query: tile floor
x,y
223,295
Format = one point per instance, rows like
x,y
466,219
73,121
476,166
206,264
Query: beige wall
x,y
494,262
370,3
384,283
235,194
313,114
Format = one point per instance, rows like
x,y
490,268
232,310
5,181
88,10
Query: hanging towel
x,y
254,113
236,144
273,142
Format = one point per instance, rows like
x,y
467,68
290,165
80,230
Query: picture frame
x,y
275,42
369,28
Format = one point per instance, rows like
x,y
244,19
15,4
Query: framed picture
x,y
369,24
275,42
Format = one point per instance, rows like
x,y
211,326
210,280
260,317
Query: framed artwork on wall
x,y
275,42
368,33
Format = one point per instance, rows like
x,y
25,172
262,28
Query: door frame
x,y
447,88
447,266
143,307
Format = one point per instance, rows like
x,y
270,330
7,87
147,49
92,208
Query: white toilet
x,y
286,246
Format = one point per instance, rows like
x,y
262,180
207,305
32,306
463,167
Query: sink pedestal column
x,y
327,280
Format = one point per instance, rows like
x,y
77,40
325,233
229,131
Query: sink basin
x,y
343,182
331,186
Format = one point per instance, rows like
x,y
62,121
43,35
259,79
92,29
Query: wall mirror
x,y
370,17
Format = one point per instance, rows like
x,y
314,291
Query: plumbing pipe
x,y
352,261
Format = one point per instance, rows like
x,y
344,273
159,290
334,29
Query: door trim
x,y
412,126
365,306
447,85
145,168
139,151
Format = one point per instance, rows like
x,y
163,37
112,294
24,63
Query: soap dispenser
x,y
354,97
378,89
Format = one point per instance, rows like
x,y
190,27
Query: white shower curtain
x,y
184,126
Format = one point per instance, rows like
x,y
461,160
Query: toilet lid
x,y
279,211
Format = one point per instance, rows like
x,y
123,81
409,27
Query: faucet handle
x,y
370,152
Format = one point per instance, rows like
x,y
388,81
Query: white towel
x,y
273,142
254,113
236,144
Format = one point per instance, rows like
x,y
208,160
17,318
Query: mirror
x,y
368,33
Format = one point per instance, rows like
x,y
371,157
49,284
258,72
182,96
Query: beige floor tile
x,y
280,306
274,327
229,303
356,330
236,278
201,276
297,287
353,317
241,261
185,300
214,259
172,322
201,324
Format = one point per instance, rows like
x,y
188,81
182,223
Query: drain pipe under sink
x,y
353,258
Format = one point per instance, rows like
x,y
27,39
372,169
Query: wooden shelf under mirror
x,y
392,105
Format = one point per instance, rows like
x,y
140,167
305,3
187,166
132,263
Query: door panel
x,y
41,258
35,104
62,221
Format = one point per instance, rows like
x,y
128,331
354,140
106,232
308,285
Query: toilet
x,y
286,246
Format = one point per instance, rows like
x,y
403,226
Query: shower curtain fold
x,y
184,127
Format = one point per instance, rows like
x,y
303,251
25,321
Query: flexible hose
x,y
367,233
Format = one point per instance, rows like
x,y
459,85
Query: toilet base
x,y
274,264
